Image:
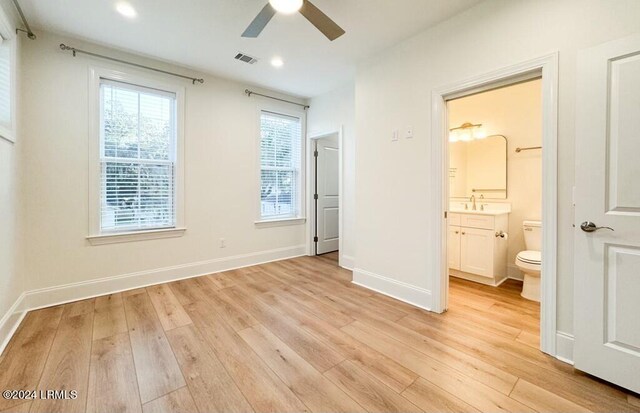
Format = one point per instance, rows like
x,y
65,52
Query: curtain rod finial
x,y
30,35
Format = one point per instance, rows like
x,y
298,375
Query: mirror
x,y
478,167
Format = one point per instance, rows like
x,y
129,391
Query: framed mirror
x,y
478,167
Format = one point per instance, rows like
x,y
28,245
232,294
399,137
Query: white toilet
x,y
529,261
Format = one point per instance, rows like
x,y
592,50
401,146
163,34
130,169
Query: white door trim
x,y
311,221
548,66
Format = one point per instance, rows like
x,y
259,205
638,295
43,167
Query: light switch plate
x,y
409,134
394,136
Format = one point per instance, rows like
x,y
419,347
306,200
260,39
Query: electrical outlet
x,y
223,243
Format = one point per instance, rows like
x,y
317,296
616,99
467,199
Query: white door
x,y
453,247
476,251
607,262
327,194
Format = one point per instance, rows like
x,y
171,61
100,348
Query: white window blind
x,y
137,158
280,146
5,83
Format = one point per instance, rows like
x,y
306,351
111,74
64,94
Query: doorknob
x,y
589,226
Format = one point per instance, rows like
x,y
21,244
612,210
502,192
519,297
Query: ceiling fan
x,y
322,22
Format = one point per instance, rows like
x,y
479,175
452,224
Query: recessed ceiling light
x,y
126,9
276,62
286,6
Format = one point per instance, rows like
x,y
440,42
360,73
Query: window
x,y
7,83
136,183
137,158
280,170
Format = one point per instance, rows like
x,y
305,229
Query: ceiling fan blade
x,y
259,23
322,22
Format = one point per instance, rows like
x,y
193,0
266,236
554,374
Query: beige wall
x,y
221,171
515,112
458,169
393,90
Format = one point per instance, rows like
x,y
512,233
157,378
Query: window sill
x,y
267,223
135,236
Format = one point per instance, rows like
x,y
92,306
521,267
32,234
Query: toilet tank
x,y
532,235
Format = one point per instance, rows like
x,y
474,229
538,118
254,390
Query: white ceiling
x,y
205,34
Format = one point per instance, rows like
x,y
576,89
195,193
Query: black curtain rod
x,y
250,92
113,59
29,32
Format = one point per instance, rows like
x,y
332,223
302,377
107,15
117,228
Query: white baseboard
x,y
46,297
564,347
347,262
397,289
50,296
10,321
514,272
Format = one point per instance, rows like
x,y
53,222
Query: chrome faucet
x,y
473,202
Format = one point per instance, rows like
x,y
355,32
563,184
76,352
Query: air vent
x,y
246,58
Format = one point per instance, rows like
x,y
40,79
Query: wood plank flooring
x,y
294,336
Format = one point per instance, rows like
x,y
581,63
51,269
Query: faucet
x,y
473,202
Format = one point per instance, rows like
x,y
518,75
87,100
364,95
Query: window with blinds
x,y
5,83
280,156
138,138
7,88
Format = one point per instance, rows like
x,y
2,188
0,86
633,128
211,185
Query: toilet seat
x,y
530,257
529,260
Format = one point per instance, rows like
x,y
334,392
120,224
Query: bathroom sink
x,y
478,212
489,209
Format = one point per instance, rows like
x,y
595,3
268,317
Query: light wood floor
x,y
294,336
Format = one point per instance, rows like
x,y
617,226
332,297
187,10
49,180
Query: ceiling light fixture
x,y
467,132
286,6
126,10
277,62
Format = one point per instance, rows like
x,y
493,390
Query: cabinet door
x,y
476,251
453,247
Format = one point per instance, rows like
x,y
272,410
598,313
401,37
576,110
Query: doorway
x,y
326,196
545,68
495,202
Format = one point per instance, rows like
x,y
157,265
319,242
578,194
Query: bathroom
x,y
495,202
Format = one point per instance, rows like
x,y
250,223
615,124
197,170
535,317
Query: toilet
x,y
528,261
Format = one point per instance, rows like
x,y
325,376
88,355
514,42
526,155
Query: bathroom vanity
x,y
477,242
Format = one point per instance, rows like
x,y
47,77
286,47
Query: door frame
x,y
311,179
547,67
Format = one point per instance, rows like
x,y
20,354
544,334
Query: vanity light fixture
x,y
467,132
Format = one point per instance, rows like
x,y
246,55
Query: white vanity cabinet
x,y
453,247
476,249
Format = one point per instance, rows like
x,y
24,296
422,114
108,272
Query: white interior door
x,y
607,262
327,194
